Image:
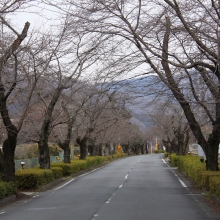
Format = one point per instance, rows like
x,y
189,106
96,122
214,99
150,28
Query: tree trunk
x,y
44,155
43,149
8,165
83,151
83,147
95,150
66,150
9,145
212,154
91,149
107,149
2,166
99,150
7,155
142,149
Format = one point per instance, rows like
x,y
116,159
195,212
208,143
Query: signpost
x,y
119,149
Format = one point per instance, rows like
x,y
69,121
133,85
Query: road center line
x,y
108,201
2,213
126,177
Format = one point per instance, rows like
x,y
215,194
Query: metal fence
x,y
33,162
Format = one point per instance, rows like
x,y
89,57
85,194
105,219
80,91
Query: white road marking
x,y
108,201
120,186
126,177
182,183
110,198
92,171
36,209
35,196
28,193
96,215
2,213
64,184
82,176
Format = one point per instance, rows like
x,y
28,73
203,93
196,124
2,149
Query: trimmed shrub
x,y
57,172
33,178
204,180
67,168
7,189
196,171
166,154
94,161
214,185
78,165
174,160
190,165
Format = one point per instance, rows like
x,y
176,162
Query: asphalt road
x,y
135,188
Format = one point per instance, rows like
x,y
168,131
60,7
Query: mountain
x,y
139,94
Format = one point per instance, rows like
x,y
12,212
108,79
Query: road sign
x,y
119,149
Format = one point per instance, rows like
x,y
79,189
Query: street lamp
x,y
22,165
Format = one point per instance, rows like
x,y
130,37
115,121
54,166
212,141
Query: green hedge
x,y
166,154
33,178
158,151
196,170
174,160
57,172
206,176
190,165
214,185
94,161
70,168
78,165
117,156
7,189
67,168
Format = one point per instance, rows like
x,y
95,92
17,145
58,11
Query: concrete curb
x,y
7,200
51,184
